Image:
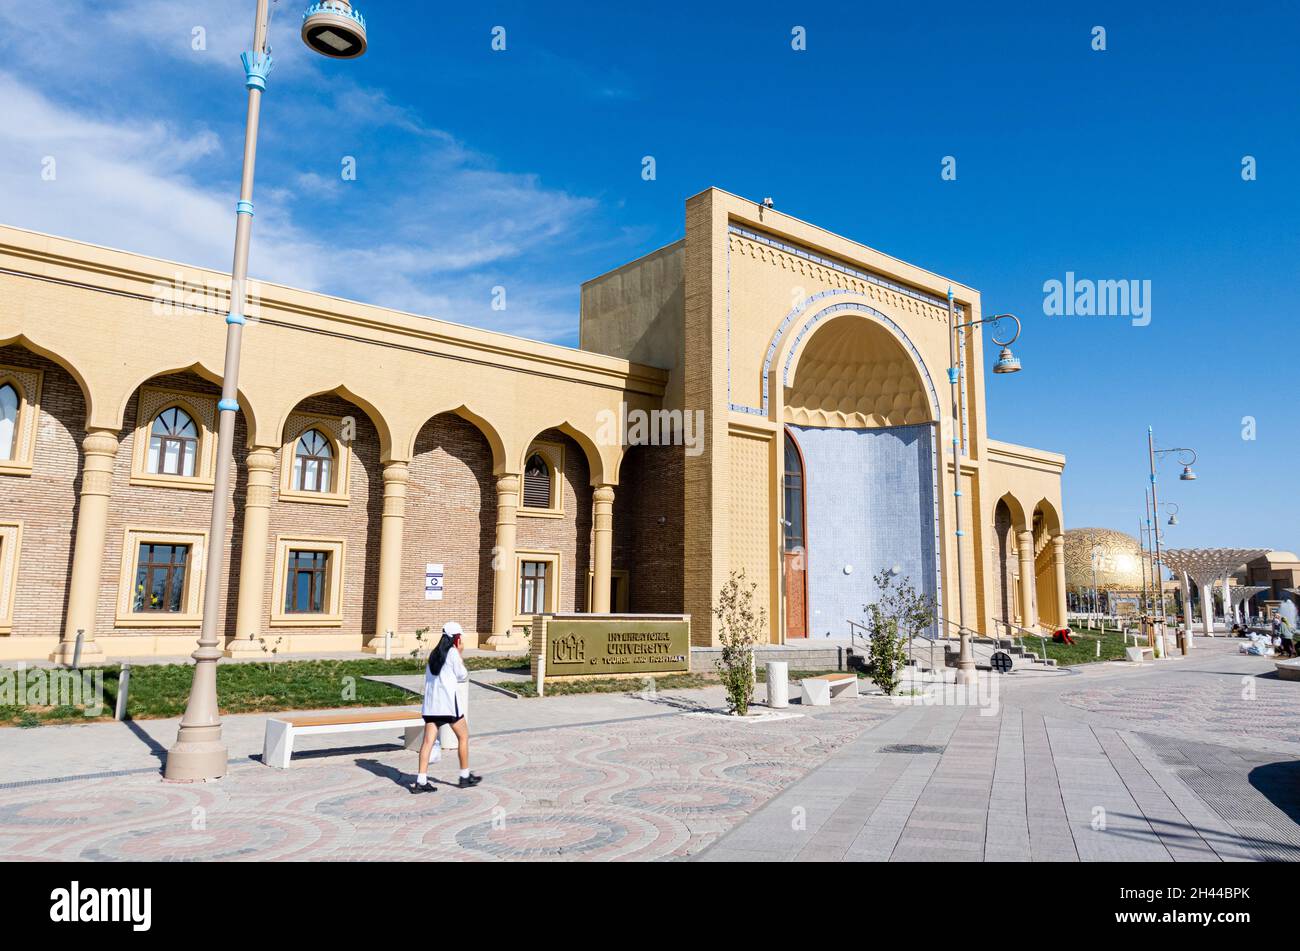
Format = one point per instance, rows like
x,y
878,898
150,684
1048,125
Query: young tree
x,y
739,629
898,615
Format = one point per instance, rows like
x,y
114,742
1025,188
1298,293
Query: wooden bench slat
x,y
341,719
832,677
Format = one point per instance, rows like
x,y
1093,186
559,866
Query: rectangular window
x,y
160,575
304,591
532,586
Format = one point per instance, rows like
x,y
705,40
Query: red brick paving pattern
x,y
656,788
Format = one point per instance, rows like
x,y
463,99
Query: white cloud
x,y
430,226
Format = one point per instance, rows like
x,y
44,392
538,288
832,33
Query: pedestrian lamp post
x,y
333,28
1097,553
1187,458
1005,363
1149,528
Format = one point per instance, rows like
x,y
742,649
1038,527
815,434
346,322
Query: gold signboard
x,y
609,645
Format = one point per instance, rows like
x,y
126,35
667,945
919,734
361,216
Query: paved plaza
x,y
1194,759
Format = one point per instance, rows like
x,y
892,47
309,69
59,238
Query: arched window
x,y
313,463
537,483
794,500
173,443
8,421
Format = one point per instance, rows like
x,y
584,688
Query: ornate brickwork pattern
x,y
751,514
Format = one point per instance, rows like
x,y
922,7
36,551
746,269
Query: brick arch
x,y
450,519
197,369
357,522
490,433
1019,516
602,471
571,534
26,342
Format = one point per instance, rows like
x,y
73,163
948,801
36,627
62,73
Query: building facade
x,y
761,396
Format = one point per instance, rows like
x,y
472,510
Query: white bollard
x,y
123,689
778,684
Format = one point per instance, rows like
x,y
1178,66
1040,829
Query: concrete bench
x,y
277,746
817,691
1139,654
1288,669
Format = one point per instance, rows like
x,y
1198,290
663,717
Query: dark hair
x,y
438,656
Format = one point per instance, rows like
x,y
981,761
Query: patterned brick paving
x,y
1218,707
656,788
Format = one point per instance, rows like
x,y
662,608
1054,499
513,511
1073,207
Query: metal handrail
x,y
855,626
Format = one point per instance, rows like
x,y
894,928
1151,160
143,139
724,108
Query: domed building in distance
x,y
1118,560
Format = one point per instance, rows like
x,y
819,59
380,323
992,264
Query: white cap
x,y
452,629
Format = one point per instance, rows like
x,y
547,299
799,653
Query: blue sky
x,y
523,168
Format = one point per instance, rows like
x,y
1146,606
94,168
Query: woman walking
x,y
442,708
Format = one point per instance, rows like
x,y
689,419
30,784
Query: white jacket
x,y
440,692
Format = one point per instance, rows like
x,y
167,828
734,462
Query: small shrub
x,y
420,646
739,629
898,615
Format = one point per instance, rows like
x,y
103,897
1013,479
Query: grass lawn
x,y
159,690
1084,650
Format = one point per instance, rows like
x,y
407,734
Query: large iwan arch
x,y
861,488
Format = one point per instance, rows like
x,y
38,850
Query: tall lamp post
x,y
333,28
1006,363
1187,476
1097,552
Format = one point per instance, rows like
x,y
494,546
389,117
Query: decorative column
x,y
1207,606
396,477
603,549
1058,563
503,636
1028,606
99,450
1227,603
1187,610
252,559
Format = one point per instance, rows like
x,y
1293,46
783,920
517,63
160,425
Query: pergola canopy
x,y
1205,565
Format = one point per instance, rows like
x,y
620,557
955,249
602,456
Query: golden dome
x,y
1119,560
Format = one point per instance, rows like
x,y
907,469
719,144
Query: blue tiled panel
x,y
870,499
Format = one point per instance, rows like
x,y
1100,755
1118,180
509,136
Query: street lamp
x,y
1097,553
1187,476
332,28
1006,363
1173,516
199,752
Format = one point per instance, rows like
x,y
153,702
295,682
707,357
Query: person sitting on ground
x,y
442,708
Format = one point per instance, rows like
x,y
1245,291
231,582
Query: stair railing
x,y
855,627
